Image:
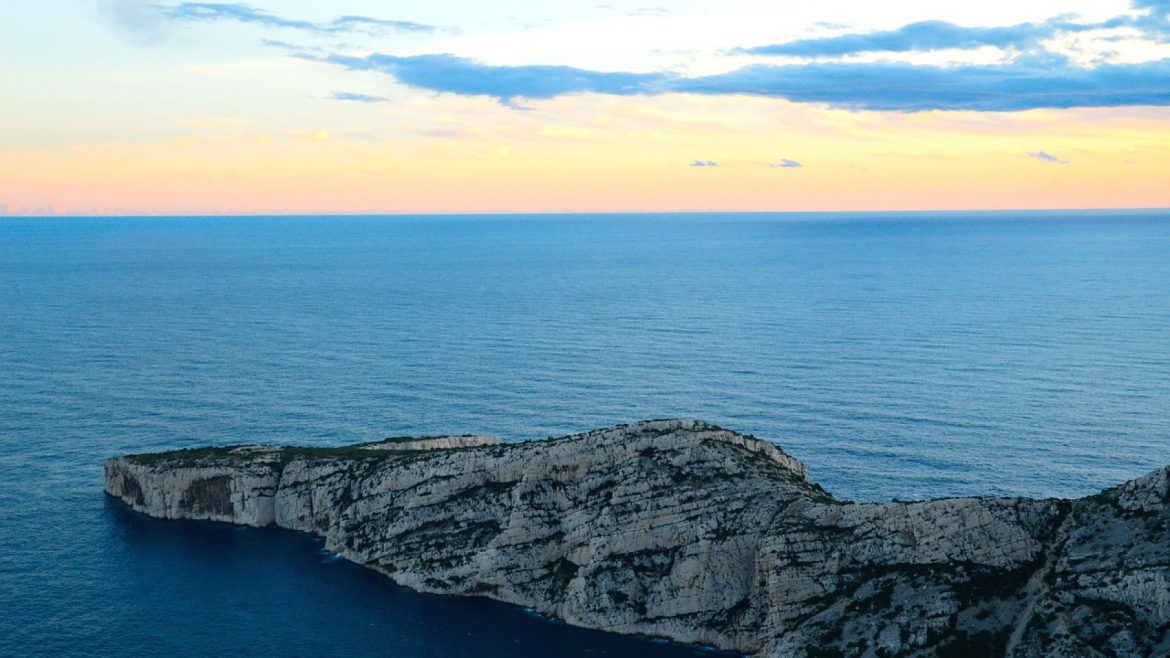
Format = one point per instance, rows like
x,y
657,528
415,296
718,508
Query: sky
x,y
111,107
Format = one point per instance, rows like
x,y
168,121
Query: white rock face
x,y
688,531
436,443
243,494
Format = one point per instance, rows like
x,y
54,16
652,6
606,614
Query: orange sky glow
x,y
265,130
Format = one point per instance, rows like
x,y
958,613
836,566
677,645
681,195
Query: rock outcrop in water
x,y
683,530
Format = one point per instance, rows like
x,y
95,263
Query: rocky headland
x,y
687,531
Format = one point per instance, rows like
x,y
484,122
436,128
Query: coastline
x,y
683,530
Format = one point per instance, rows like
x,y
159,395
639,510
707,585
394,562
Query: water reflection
x,y
201,588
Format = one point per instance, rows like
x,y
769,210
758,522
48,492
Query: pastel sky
x,y
299,106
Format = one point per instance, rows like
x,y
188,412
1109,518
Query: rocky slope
x,y
688,531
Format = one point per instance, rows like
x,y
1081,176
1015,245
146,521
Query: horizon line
x,y
585,213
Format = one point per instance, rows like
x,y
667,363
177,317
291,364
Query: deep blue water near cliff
x,y
898,355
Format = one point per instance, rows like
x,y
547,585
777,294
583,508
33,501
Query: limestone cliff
x,y
684,530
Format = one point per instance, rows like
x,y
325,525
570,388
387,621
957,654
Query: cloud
x,y
1045,156
1037,79
1156,19
1027,83
922,36
785,163
242,13
1021,85
277,43
346,23
456,75
1160,7
360,98
138,20
703,163
927,36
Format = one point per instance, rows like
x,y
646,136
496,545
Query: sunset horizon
x,y
287,108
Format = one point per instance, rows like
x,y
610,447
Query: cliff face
x,y
684,530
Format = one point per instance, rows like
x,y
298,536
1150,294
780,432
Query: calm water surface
x,y
898,355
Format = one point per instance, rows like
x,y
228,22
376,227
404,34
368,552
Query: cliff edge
x,y
688,531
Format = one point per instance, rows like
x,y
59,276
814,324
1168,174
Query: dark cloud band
x,y
1021,85
456,75
1025,84
926,36
923,36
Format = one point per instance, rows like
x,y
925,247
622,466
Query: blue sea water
x,y
899,355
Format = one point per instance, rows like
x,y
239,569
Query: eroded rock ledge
x,y
684,530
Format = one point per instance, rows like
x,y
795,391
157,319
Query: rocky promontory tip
x,y
684,530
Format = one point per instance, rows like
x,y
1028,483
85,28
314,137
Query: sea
x,y
900,355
